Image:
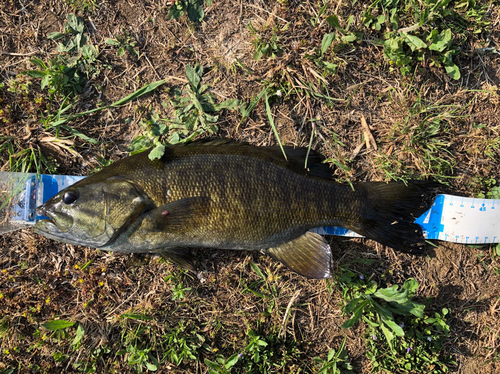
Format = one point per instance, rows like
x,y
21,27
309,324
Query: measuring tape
x,y
451,218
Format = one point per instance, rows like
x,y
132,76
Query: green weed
x,y
400,337
262,354
135,342
195,113
422,136
124,43
69,71
264,44
434,25
89,365
193,9
337,362
176,281
181,343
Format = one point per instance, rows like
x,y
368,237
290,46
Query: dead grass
x,y
41,280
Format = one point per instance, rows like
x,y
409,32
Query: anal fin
x,y
308,255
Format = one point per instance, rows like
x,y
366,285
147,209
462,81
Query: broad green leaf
x,y
331,354
411,307
141,91
388,335
153,365
395,327
38,62
175,11
356,316
76,23
157,152
230,104
392,294
453,71
231,361
111,42
56,35
411,286
349,38
194,74
334,22
388,319
79,134
132,51
326,42
352,305
36,74
58,324
195,12
415,42
372,288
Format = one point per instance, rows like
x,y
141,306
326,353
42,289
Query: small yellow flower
x,y
80,280
6,351
47,300
77,267
101,283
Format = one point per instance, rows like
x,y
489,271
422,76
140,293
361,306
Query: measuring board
x,y
451,218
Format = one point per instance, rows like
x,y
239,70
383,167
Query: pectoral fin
x,y
308,255
179,214
179,256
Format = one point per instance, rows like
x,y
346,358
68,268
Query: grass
x,y
291,74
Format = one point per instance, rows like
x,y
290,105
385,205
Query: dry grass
x,y
41,280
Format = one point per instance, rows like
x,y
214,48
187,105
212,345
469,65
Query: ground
x,y
425,122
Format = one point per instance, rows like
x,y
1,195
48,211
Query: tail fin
x,y
391,212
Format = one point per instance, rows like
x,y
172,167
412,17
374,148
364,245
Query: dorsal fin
x,y
295,161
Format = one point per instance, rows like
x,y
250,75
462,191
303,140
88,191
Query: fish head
x,y
90,213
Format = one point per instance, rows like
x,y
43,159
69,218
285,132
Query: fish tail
x,y
391,210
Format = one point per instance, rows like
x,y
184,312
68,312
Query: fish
x,y
222,194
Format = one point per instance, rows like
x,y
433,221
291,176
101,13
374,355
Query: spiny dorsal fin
x,y
295,161
308,255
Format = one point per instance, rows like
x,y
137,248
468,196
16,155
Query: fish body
x,y
221,194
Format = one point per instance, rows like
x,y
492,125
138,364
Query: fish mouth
x,y
48,228
50,222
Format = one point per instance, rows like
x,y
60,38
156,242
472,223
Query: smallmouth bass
x,y
228,195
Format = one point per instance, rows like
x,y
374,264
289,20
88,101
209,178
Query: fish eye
x,y
70,197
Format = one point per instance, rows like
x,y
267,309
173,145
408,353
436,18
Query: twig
x,y
369,139
19,54
285,318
